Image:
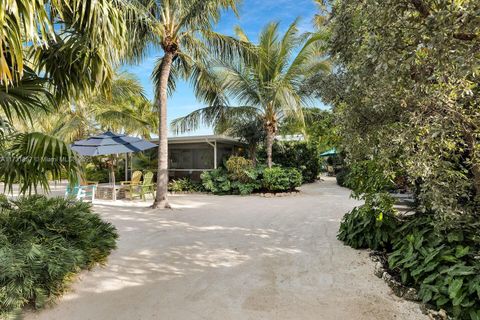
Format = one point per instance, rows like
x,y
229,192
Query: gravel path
x,y
233,257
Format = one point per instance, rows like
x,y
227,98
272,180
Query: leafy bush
x,y
372,225
43,243
299,155
342,176
184,184
444,265
281,179
239,168
218,181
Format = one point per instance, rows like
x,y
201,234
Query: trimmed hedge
x,y
44,242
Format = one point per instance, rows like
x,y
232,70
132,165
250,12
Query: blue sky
x,y
253,15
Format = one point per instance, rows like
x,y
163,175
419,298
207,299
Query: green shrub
x,y
300,155
219,181
342,176
43,243
95,173
281,179
367,227
216,181
184,184
238,168
443,264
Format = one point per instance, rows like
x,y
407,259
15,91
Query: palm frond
x,y
217,115
31,158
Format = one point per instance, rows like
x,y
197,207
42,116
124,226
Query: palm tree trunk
x,y
270,138
253,154
161,104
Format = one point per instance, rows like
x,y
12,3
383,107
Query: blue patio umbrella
x,y
110,143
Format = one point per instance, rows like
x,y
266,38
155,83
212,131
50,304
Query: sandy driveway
x,y
233,257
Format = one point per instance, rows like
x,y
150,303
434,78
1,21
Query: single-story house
x,y
190,156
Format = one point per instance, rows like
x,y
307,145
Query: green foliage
x,y
219,181
239,168
184,184
300,155
43,244
443,264
342,176
405,92
93,172
369,177
281,179
372,225
242,178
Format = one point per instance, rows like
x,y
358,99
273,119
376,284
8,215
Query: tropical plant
x,y
372,225
443,264
301,155
238,168
124,108
249,130
183,30
267,83
52,51
184,184
281,179
43,243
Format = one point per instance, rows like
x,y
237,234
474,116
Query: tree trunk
x,y
253,154
270,138
161,200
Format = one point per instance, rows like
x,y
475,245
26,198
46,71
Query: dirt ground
x,y
232,257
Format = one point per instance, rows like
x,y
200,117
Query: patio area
x,y
232,257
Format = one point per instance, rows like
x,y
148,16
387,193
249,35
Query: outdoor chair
x,y
82,191
136,178
140,190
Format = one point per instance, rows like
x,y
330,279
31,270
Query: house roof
x,y
203,138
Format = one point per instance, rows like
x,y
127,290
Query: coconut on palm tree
x,y
183,30
267,83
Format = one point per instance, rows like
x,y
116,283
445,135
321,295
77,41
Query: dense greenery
x,y
444,265
404,91
43,244
241,177
371,225
303,156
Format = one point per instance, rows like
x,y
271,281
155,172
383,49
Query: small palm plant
x,y
266,83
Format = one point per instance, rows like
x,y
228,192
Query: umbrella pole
x,y
112,178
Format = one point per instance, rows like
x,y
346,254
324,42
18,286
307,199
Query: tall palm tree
x,y
183,30
267,83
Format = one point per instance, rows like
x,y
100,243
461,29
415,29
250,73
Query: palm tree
x,y
50,52
123,109
267,84
183,30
